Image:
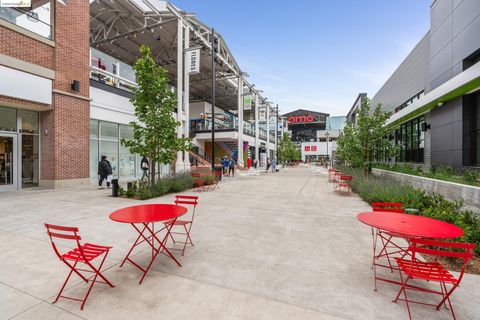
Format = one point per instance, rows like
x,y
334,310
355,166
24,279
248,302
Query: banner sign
x,y
247,103
262,114
272,120
193,61
16,3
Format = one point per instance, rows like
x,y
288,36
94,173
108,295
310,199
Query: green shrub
x,y
470,176
174,183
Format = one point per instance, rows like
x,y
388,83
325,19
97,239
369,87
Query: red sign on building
x,y
307,148
314,148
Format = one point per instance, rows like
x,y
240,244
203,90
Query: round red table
x,y
410,225
147,215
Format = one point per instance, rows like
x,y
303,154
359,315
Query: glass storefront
x,y
105,140
19,148
411,139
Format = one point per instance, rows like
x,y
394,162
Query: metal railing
x,y
31,20
111,79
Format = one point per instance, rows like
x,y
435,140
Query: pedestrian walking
x,y
104,172
255,164
268,164
249,163
225,165
145,165
231,167
274,165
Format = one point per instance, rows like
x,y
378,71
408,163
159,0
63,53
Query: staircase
x,y
199,158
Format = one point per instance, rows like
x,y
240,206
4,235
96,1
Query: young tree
x,y
366,141
287,151
154,132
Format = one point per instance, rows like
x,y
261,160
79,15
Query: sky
x,y
316,54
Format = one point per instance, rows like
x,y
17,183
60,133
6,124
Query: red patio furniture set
x,y
403,238
79,258
342,184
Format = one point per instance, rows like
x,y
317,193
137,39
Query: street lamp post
x,y
328,156
276,135
214,49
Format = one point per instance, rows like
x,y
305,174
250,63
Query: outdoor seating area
x,y
216,255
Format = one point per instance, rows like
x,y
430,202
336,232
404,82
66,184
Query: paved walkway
x,y
274,246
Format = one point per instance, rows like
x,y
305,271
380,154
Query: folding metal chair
x,y
82,253
185,224
343,185
199,182
331,174
432,271
217,177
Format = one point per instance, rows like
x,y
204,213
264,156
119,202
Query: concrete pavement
x,y
274,246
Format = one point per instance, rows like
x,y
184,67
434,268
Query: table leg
x,y
134,244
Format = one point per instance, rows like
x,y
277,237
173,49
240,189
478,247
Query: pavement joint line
x,y
303,186
25,310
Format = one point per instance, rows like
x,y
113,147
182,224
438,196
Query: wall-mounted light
x,y
425,126
440,104
75,86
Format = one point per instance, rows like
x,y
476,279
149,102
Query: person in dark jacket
x,y
144,164
104,170
231,167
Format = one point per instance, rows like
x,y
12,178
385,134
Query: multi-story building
x,y
66,87
434,94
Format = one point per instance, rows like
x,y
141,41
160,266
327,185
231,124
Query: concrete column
x,y
268,132
179,165
186,101
240,121
257,142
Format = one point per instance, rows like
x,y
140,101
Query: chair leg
x,y
97,273
72,269
404,289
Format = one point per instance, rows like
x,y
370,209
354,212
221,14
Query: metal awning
x,y
119,28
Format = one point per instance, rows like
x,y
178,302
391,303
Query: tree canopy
x,y
287,150
155,130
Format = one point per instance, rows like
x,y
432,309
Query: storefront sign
x,y
262,114
302,119
247,103
193,61
16,3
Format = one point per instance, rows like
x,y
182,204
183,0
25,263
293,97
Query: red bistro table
x,y
410,225
145,215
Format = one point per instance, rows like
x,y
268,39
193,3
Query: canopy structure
x,y
119,28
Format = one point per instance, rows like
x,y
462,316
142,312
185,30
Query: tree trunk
x,y
152,173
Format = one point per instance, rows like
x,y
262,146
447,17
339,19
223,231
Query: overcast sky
x,y
316,54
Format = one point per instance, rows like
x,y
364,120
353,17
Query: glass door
x,y
8,162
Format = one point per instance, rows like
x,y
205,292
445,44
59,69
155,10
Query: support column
x,y
276,135
257,130
240,121
186,102
268,132
179,165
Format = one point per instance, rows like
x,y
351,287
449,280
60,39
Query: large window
x,y
37,19
476,131
411,139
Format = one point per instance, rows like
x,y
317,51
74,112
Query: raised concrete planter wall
x,y
450,190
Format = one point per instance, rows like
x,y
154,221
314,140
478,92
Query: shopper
x,y
104,172
231,167
274,165
249,163
268,164
255,164
225,165
144,164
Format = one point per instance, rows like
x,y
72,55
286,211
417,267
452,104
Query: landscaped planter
x,y
450,190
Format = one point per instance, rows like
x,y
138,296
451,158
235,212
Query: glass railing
x,y
206,125
263,134
111,79
37,20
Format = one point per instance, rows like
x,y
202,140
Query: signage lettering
x,y
301,119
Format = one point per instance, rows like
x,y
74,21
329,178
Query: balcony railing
x,y
37,20
111,79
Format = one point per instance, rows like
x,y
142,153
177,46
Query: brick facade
x,y
64,149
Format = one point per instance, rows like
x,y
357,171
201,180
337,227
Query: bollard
x,y
115,188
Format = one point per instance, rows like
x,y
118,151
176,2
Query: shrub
x,y
470,176
174,183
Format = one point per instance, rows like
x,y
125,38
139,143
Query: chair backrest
x,y
388,206
346,178
65,233
187,200
436,248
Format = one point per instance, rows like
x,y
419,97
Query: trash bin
x,y
115,187
218,172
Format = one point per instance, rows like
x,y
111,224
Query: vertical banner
x,y
193,61
247,103
262,114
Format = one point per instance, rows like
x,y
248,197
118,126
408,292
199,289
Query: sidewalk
x,y
273,246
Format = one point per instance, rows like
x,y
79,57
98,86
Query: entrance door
x,y
8,162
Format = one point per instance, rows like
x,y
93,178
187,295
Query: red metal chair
x,y
199,182
343,184
81,253
432,271
331,174
186,224
217,177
